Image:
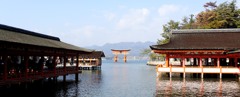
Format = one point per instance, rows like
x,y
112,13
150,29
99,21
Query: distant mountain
x,y
135,47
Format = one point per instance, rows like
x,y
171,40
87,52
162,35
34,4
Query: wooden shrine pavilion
x,y
213,51
27,56
91,60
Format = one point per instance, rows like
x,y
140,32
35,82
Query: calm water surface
x,y
132,79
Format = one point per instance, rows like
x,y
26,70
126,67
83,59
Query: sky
x,y
97,22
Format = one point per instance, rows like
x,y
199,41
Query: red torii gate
x,y
123,51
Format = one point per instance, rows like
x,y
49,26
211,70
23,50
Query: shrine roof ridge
x,y
23,31
237,30
12,35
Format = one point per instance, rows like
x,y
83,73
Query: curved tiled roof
x,y
206,30
94,54
21,36
217,39
23,31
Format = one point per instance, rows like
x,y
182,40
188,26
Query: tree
x,y
171,25
188,23
228,14
153,56
225,15
207,19
210,5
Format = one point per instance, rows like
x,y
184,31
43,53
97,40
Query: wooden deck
x,y
17,78
89,67
196,69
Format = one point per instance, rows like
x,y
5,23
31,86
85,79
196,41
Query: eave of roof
x,y
206,30
17,35
95,54
23,31
120,49
205,39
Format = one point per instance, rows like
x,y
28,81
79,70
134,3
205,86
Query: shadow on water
x,y
43,88
197,87
87,85
49,87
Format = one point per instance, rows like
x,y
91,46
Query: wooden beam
x,y
184,51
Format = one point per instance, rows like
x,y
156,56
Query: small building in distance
x,y
91,60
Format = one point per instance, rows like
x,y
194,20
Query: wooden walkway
x,y
202,70
89,67
17,78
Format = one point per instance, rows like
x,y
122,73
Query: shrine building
x,y
212,51
26,56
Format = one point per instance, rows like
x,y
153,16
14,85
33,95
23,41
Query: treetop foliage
x,y
224,15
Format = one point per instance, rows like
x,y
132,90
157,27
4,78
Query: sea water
x,y
131,79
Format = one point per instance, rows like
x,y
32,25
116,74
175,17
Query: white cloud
x,y
133,18
122,7
110,16
165,10
79,35
87,31
133,25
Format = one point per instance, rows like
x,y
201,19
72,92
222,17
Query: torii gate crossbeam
x,y
123,51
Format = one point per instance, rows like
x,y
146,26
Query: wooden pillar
x,y
170,74
100,61
181,62
236,62
42,65
200,62
26,59
97,62
77,63
90,59
5,72
194,61
220,76
65,64
77,68
218,62
84,63
167,60
115,57
184,63
54,65
201,66
125,58
202,74
167,65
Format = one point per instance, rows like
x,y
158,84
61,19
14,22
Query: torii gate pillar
x,y
116,52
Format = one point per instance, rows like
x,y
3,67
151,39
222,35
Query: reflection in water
x,y
88,86
59,88
132,79
44,88
172,87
